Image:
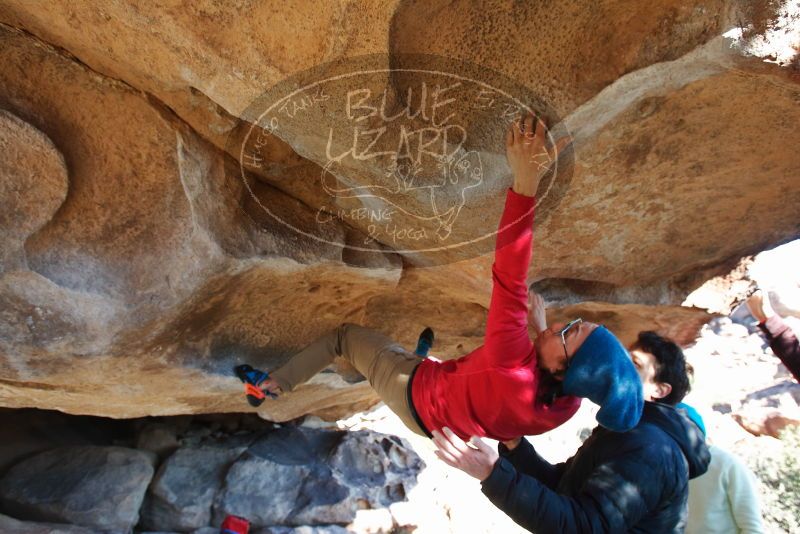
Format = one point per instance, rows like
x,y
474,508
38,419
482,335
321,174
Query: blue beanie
x,y
693,414
602,371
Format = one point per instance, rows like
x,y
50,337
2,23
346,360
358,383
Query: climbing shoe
x,y
424,343
252,378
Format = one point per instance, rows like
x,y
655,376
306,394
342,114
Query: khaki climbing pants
x,y
385,364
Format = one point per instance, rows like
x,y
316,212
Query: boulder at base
x,y
96,487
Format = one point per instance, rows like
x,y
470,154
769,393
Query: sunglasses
x,y
563,333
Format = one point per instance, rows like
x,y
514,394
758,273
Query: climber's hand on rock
x,y
528,154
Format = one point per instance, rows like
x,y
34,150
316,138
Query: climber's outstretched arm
x,y
507,341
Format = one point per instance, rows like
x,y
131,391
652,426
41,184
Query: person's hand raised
x,y
759,306
528,154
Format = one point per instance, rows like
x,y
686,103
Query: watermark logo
x,y
409,153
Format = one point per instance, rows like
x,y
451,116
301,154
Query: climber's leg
x,y
311,360
383,362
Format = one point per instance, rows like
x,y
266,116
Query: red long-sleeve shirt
x,y
492,391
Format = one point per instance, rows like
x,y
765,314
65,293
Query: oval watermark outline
x,y
539,199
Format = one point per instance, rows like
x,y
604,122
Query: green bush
x,y
779,481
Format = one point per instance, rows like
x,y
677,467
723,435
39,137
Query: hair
x,y
549,388
671,366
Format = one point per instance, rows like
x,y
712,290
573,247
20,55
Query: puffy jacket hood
x,y
685,433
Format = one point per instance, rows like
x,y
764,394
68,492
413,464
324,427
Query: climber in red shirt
x,y
511,385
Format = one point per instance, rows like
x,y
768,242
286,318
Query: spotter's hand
x,y
476,459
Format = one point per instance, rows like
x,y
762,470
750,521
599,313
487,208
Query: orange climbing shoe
x,y
252,378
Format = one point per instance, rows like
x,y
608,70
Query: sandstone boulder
x,y
95,487
142,257
82,284
769,411
183,490
9,524
297,476
34,186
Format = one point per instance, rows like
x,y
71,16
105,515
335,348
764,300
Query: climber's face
x,y
556,345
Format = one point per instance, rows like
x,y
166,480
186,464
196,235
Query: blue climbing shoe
x,y
424,343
